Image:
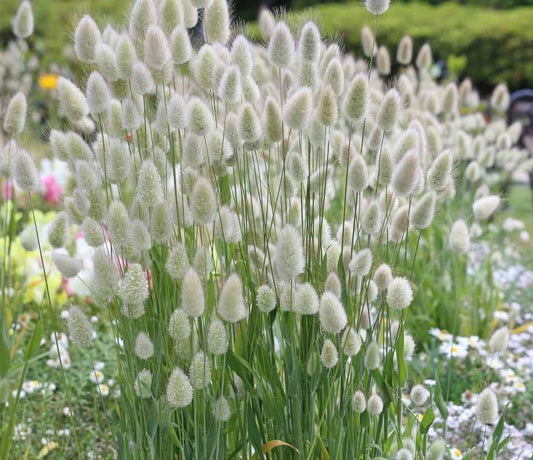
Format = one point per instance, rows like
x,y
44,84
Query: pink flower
x,y
52,189
7,190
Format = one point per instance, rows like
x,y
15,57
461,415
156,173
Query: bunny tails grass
x,y
269,231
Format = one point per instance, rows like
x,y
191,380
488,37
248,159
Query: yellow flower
x,y
48,81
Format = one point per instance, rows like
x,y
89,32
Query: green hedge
x,y
498,44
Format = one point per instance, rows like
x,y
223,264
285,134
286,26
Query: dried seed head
x,y
217,338
383,61
424,58
86,37
359,402
199,118
231,305
98,96
423,211
192,294
372,356
361,262
25,172
351,342
399,294
329,355
309,44
404,177
297,109
357,98
266,299
203,202
374,405
180,45
217,22
332,316
459,237
179,389
281,46
389,111
15,117
439,173
144,348
133,287
23,20
200,371
71,100
383,276
499,341
487,407
179,325
79,327
419,395
289,257
485,207
405,50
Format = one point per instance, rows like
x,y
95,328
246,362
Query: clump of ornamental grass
x,y
256,212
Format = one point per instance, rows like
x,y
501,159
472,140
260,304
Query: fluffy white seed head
x,y
329,356
203,202
371,221
198,117
423,211
377,7
281,46
327,106
358,174
217,338
131,117
156,48
499,340
221,409
361,262
305,300
217,22
149,190
459,237
179,325
485,207
383,61
267,23
289,257
230,87
23,20
405,174
72,101
177,262
25,172
372,356
351,342
142,15
200,371
192,294
419,395
375,405
15,117
179,390
133,287
272,121
180,45
144,348
425,57
98,95
436,450
500,98
487,407
389,111
405,50
358,402
357,98
79,327
297,109
266,299
368,42
249,124
86,37
309,44
439,173
383,276
231,306
142,81
399,294
143,384
332,316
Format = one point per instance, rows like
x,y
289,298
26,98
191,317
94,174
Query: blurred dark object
x,y
521,109
441,71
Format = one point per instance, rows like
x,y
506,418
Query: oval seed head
x,y
118,224
289,257
230,88
98,96
419,395
177,262
203,202
309,44
204,65
142,15
125,57
399,224
327,106
272,121
424,211
142,81
170,15
133,287
405,175
305,300
104,279
15,117
190,14
179,325
179,389
86,37
23,20
372,356
450,98
149,189
358,174
383,61
241,55
217,338
161,229
351,342
131,117
71,100
281,46
359,402
399,294
192,294
144,348
221,409
368,42
383,277
176,111
332,316
58,144
500,98
217,22
499,340
485,207
404,454
180,45
106,61
79,327
459,237
424,58
143,384
487,407
267,23
297,109
329,355
266,299
357,98
374,405
333,283
377,7
371,221
59,230
248,124
389,111
385,167
200,371
92,232
439,173
199,118
436,450
405,50
231,305
25,172
156,49
361,262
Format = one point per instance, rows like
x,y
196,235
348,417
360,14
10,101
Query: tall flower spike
x,y
86,37
23,20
